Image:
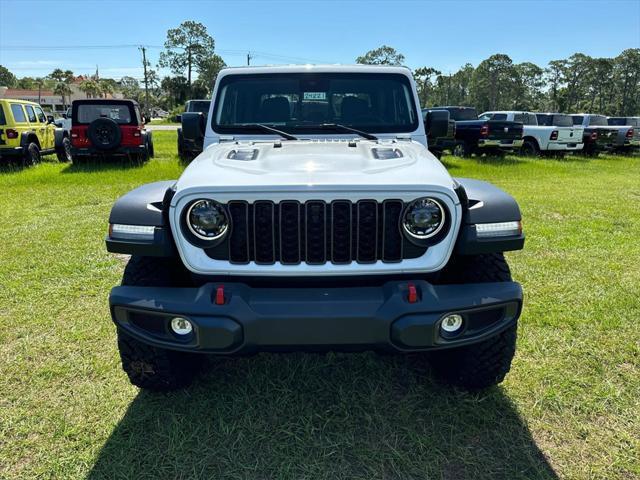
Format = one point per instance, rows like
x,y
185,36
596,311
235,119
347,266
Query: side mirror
x,y
64,115
437,123
179,118
193,126
49,118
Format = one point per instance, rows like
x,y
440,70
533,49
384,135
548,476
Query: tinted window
x,y
31,114
598,120
546,120
495,116
3,119
621,121
42,118
88,112
18,113
577,119
562,121
463,113
298,102
202,107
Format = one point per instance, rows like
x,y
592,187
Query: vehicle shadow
x,y
321,416
102,164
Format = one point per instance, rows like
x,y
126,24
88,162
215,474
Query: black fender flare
x,y
486,203
59,134
25,139
147,205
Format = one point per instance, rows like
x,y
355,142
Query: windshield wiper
x,y
337,126
269,129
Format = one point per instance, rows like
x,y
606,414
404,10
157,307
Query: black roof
x,y
105,101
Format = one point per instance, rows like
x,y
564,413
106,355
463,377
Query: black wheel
x,y
149,143
63,152
104,134
32,154
590,151
483,364
462,149
530,148
150,367
182,155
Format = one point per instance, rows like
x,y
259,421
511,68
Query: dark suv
x,y
188,149
107,128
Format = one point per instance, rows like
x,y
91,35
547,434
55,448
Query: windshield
x,y
120,113
598,120
298,102
461,113
200,106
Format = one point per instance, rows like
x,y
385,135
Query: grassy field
x,y
570,407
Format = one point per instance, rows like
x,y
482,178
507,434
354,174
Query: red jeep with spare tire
x,y
108,128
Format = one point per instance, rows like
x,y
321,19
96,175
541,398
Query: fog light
x,y
181,326
451,323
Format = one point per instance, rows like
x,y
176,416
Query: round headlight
x,y
423,218
207,219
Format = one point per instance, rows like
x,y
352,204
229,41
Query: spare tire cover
x,y
104,133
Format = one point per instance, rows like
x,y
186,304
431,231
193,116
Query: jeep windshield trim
x,y
307,102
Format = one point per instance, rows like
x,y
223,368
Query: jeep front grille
x,y
315,232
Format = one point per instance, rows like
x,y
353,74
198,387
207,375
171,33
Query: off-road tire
x,y
150,367
477,366
530,149
484,364
32,155
182,154
154,368
63,152
462,149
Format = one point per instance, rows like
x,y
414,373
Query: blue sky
x,y
443,34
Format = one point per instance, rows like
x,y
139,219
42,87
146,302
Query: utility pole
x,y
249,57
146,80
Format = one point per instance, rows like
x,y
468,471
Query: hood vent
x,y
386,153
243,154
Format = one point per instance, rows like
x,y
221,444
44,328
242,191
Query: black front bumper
x,y
356,318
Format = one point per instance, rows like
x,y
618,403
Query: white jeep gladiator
x,y
557,138
315,219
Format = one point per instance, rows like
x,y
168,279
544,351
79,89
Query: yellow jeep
x,y
26,133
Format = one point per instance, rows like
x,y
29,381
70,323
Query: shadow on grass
x,y
102,164
321,416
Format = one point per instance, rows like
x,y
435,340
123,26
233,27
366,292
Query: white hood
x,y
314,164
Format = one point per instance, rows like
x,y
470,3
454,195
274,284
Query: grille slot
x,y
263,232
391,237
315,232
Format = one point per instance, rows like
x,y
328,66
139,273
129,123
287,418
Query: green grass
x,y
568,409
163,121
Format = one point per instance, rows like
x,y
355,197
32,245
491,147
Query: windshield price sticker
x,y
315,95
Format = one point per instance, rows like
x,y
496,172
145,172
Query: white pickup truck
x,y
554,137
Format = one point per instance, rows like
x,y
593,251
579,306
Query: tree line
x,y
580,83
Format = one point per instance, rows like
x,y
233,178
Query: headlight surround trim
x,y
197,238
432,237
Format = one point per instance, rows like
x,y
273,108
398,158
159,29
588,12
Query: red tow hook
x,y
219,300
412,297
